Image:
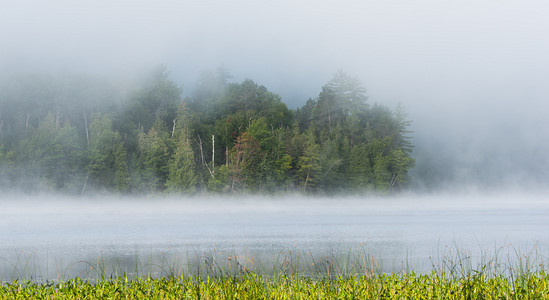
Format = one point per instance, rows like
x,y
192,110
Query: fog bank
x,y
472,75
53,238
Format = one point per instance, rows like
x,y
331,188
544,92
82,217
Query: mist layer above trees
x,y
76,133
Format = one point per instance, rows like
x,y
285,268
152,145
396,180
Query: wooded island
x,y
78,133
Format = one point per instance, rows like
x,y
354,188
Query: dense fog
x,y
471,75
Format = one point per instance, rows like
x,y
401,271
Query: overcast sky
x,y
473,75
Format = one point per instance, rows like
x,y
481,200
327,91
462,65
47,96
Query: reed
x,y
506,273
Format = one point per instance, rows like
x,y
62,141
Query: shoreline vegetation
x,y
299,275
384,286
79,134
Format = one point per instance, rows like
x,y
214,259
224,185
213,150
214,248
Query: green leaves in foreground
x,y
251,286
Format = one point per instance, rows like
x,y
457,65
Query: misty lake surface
x,y
46,236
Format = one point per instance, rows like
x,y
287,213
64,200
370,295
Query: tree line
x,y
78,134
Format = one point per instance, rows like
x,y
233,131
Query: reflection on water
x,y
74,237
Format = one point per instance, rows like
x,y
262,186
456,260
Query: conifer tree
x,y
107,165
308,165
153,156
181,170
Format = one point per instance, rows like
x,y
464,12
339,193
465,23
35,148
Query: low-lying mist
x,y
48,234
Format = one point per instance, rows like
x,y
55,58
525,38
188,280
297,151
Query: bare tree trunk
x,y
393,181
86,180
86,126
227,155
203,161
213,154
57,114
306,181
27,122
199,143
173,128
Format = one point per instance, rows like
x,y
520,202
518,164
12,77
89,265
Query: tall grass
x,y
253,286
504,273
453,262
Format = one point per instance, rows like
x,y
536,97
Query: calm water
x,y
46,237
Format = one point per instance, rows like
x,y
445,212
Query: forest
x,y
77,133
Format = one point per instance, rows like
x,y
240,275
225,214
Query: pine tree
x,y
181,170
402,138
359,170
153,156
308,165
107,164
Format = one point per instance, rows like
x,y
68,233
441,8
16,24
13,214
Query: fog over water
x,y
43,238
472,76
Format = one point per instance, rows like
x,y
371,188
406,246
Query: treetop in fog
x,y
79,133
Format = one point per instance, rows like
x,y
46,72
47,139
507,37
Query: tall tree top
x,y
348,90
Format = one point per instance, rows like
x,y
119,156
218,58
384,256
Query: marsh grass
x,y
506,272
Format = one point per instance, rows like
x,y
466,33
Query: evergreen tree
x,y
153,156
181,170
340,97
400,163
107,166
51,155
155,101
402,138
308,165
231,136
7,162
359,170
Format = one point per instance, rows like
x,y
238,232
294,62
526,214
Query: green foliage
x,y
158,99
6,166
220,181
359,170
340,97
402,138
153,154
181,167
51,154
106,155
227,137
27,99
252,286
308,165
181,173
400,163
331,162
211,88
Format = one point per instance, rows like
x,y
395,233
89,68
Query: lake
x,y
54,237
